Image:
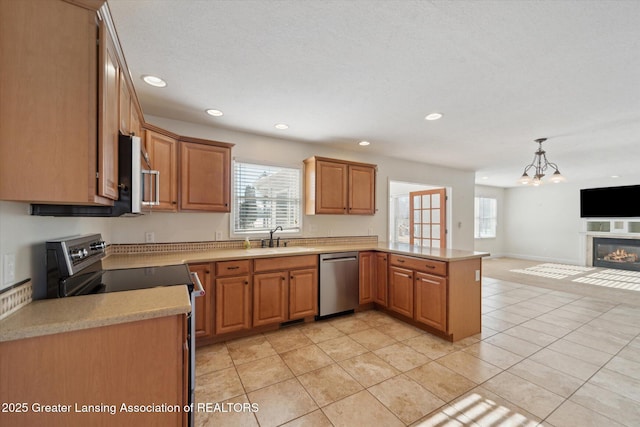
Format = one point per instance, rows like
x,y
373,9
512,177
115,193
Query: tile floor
x,y
544,357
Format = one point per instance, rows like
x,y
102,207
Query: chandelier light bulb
x,y
539,166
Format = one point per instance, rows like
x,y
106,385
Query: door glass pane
x,y
416,202
435,243
425,243
435,230
416,216
426,231
435,216
417,230
426,202
435,201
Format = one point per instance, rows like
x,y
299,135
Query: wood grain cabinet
x,y
380,279
431,300
59,103
204,304
133,363
232,296
339,187
163,152
205,177
285,288
366,276
401,291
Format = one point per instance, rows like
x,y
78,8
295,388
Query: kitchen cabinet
x,y
135,363
401,291
285,288
49,138
204,304
163,153
446,294
366,278
205,176
108,109
339,187
232,296
124,112
380,279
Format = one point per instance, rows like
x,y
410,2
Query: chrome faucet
x,y
271,235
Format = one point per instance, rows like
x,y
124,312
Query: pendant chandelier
x,y
539,165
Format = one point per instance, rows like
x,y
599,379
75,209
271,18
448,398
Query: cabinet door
x,y
204,309
331,187
232,304
362,190
108,106
163,153
124,113
270,298
380,280
401,291
303,293
431,300
366,277
205,172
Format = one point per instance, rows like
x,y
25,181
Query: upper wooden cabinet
x,y
339,187
205,177
163,152
108,114
49,103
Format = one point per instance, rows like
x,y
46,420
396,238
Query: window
x,y
486,214
266,197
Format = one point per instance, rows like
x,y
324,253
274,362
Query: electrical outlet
x,y
9,269
149,237
218,235
370,231
477,275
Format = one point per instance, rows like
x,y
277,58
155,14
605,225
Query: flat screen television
x,y
610,202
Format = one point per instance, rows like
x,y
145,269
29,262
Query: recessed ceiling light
x,y
215,113
615,176
364,143
485,177
281,126
433,116
154,81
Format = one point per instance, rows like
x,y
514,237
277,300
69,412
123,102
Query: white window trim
x,y
495,236
262,234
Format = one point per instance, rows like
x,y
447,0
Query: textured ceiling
x,y
503,73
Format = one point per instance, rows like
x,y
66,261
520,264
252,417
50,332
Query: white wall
x,y
494,246
24,235
543,223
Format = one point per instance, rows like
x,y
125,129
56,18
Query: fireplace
x,y
622,254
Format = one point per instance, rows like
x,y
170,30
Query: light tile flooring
x,y
544,357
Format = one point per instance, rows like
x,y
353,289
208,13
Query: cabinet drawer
x,y
232,268
420,264
285,263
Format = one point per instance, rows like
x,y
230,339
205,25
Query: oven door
x,y
198,291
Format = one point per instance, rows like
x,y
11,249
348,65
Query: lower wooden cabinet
x,y
270,292
303,293
204,304
431,300
133,363
233,304
366,276
380,279
401,291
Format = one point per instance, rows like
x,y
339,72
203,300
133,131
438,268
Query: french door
x,y
427,214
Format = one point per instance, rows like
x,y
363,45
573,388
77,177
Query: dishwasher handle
x,y
198,290
350,258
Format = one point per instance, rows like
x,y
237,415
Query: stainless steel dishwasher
x,y
338,282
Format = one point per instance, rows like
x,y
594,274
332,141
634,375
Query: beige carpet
x,y
558,278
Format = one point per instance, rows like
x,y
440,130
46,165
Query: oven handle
x,y
198,290
155,200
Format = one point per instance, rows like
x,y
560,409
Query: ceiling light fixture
x,y
433,116
154,81
214,113
540,164
281,126
364,143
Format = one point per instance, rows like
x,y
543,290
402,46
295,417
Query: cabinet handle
x,y
430,266
246,282
233,268
282,277
401,261
226,204
207,272
291,277
174,203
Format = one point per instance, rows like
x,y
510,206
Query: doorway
x,y
424,226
